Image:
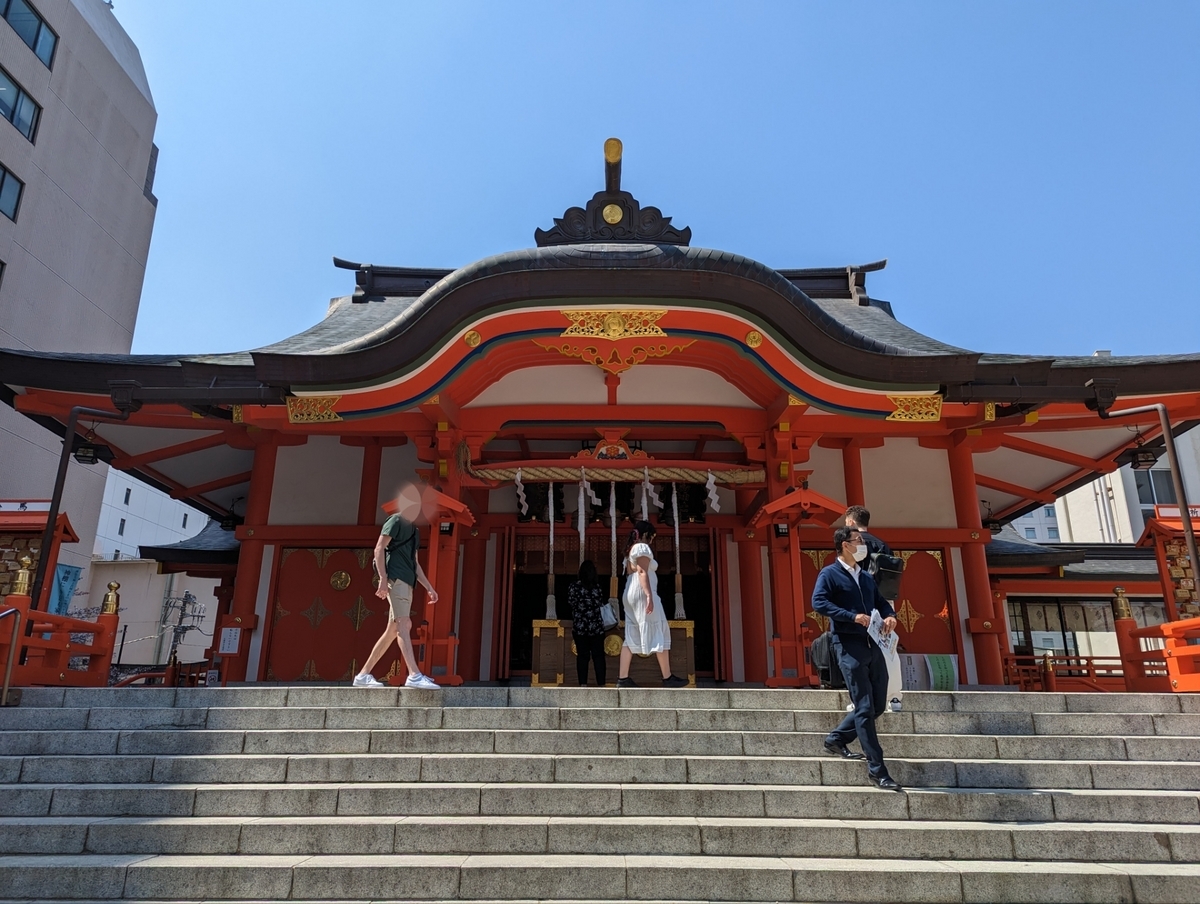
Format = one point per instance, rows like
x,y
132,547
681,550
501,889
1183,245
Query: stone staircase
x,y
494,793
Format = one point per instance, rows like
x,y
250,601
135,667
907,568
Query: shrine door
x,y
923,606
325,616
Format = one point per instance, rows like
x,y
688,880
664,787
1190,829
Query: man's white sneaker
x,y
416,679
367,680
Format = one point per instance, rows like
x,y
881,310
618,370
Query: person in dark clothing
x,y
846,595
585,600
859,519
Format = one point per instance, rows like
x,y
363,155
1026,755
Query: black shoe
x,y
625,682
885,783
674,681
842,750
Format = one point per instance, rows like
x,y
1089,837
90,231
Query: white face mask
x,y
860,552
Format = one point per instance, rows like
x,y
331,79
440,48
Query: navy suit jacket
x,y
837,597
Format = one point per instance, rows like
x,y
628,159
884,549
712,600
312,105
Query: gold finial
x,y
1120,604
21,585
612,170
612,150
112,599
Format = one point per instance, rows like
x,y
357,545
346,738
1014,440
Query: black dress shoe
x,y
674,681
842,750
625,682
885,783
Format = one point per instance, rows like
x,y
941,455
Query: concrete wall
x,y
150,518
76,255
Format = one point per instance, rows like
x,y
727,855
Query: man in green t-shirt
x,y
396,563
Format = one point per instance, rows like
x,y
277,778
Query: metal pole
x,y
60,480
12,649
1185,515
121,651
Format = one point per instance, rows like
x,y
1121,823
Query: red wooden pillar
x,y
982,621
852,471
754,622
470,616
250,559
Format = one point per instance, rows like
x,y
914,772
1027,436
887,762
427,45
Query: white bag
x,y
608,617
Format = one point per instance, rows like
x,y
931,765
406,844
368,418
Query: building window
x,y
18,107
1049,511
31,28
128,491
151,169
1031,533
121,528
10,193
1154,487
1052,532
185,519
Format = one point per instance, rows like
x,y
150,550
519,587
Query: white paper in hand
x,y
886,642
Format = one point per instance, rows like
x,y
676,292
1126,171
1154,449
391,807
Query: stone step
x,y
599,799
149,743
630,769
697,698
713,836
511,877
548,718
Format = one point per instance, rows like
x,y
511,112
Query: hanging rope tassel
x,y
680,614
711,486
551,607
522,502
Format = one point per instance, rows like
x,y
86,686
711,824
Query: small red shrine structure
x,y
758,401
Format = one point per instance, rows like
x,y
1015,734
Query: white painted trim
x,y
733,583
261,609
489,609
960,589
458,603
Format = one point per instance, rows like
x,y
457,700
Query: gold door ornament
x,y
916,408
339,580
613,324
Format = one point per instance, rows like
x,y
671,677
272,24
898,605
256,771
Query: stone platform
x,y
504,794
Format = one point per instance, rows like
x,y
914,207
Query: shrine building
x,y
542,397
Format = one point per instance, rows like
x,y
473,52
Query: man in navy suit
x,y
846,595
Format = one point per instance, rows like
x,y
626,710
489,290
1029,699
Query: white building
x,y
77,163
134,514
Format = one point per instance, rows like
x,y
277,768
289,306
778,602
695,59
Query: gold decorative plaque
x,y
612,645
339,580
907,615
613,325
612,214
472,338
312,409
916,408
754,339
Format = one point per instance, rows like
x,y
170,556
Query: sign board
x,y
1172,511
929,671
231,639
212,678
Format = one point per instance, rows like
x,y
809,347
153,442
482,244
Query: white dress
x,y
644,633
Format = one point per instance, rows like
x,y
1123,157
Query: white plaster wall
x,y
551,384
670,384
828,472
317,483
907,486
960,591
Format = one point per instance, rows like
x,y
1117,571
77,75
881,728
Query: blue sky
x,y
1030,170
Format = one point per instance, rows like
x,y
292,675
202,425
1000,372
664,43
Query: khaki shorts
x,y
400,596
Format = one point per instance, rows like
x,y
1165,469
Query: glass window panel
x,y
1164,492
1031,533
1053,618
27,116
45,45
1049,510
24,21
1099,616
1052,532
1073,617
1037,617
1145,491
8,97
10,196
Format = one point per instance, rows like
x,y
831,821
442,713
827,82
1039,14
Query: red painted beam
x,y
1017,444
126,463
1013,489
219,484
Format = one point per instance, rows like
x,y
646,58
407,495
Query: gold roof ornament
x,y
112,599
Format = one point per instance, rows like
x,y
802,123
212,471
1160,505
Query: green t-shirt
x,y
401,555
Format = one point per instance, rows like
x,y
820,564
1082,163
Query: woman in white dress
x,y
646,628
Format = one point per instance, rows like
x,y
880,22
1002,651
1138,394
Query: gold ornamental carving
x,y
921,408
315,613
613,324
817,556
821,620
907,615
944,616
935,554
612,645
339,580
310,672
754,339
312,409
472,338
359,613
612,214
322,556
363,556
280,612
989,411
236,412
